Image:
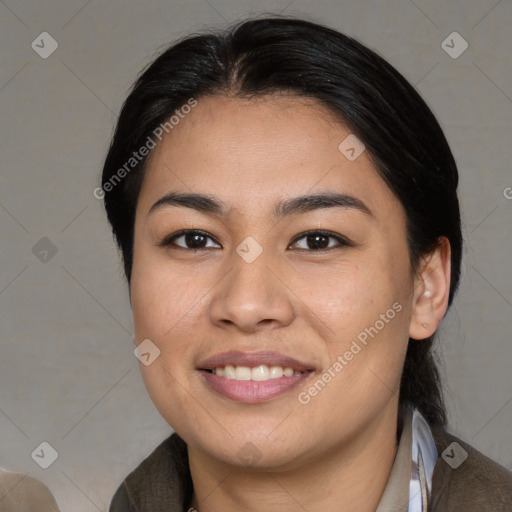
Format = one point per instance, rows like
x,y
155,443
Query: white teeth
x,y
276,372
243,373
229,372
258,373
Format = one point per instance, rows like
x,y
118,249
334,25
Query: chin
x,y
250,449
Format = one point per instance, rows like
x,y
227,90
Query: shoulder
x,y
162,479
23,492
466,480
121,501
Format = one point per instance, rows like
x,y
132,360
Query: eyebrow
x,y
213,206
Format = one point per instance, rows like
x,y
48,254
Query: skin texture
x,y
335,452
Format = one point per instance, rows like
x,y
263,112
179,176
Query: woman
x,y
286,207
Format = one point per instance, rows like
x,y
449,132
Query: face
x,y
327,283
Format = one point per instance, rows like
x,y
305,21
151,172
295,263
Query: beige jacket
x,y
23,493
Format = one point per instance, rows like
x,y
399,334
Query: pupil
x,y
320,241
194,240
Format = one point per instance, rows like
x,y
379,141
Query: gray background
x,y
68,375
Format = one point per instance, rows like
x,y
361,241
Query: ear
x,y
431,291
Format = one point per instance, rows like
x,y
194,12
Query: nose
x,y
251,297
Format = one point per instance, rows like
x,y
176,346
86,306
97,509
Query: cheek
x,y
163,305
364,303
162,296
351,295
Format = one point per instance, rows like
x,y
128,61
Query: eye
x,y
195,239
191,239
321,240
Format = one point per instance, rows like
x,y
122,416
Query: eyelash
x,y
169,240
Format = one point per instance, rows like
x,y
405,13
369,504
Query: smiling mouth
x,y
252,376
252,385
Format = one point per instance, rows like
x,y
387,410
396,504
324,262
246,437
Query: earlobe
x,y
431,292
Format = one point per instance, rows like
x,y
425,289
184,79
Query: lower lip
x,y
251,391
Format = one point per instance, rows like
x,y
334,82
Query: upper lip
x,y
239,358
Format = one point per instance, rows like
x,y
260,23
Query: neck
x,y
351,477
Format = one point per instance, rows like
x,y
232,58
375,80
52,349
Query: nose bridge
x,y
250,296
250,265
250,279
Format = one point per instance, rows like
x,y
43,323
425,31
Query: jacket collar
x,y
409,484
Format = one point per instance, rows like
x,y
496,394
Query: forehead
x,y
256,150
